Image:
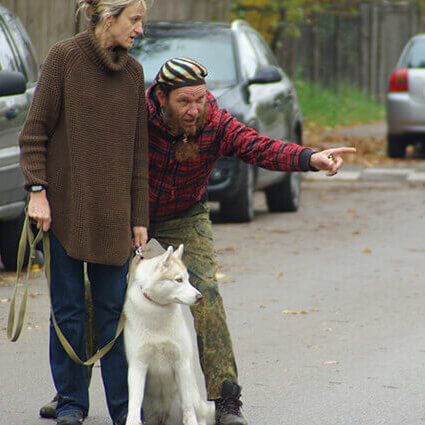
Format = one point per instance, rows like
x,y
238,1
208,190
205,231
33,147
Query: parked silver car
x,y
406,100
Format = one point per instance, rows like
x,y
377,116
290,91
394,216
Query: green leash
x,y
28,236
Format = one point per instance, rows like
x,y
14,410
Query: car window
x,y
7,58
415,55
213,50
261,49
248,58
23,46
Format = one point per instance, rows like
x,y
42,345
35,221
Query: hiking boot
x,y
228,407
49,410
75,418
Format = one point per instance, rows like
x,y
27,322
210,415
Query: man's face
x,y
185,108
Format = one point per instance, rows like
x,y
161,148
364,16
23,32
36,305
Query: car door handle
x,y
11,113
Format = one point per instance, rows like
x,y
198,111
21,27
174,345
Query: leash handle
x,y
28,236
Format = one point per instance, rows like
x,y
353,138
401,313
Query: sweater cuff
x,y
305,157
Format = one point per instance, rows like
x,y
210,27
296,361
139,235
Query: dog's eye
x,y
179,279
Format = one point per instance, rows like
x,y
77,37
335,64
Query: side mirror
x,y
11,83
266,74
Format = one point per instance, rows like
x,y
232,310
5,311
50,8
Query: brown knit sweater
x,y
85,139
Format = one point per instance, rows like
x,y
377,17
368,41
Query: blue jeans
x,y
109,284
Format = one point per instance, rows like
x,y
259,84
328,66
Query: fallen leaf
x,y
4,300
331,362
279,276
294,312
367,251
221,276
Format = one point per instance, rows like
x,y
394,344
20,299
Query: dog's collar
x,y
151,300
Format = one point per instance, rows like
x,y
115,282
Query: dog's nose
x,y
198,298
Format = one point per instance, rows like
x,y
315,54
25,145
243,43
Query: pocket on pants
x,y
204,229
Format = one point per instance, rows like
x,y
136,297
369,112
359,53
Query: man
x,y
188,133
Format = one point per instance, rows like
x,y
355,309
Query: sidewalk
x,y
403,171
411,174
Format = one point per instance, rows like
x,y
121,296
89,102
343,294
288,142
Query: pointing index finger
x,y
340,151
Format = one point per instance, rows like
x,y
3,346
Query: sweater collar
x,y
112,60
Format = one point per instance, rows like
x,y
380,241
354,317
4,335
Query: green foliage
x,y
328,108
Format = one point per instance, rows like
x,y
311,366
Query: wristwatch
x,y
36,188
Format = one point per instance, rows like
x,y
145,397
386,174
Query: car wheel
x,y
241,208
396,147
285,195
10,234
420,148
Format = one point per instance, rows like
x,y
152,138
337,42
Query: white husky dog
x,y
159,345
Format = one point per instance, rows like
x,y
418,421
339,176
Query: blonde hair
x,y
98,10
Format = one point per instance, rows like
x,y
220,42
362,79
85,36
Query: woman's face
x,y
127,26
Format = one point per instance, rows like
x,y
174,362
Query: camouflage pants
x,y
194,230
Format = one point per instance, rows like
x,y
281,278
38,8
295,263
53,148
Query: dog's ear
x,y
166,257
178,253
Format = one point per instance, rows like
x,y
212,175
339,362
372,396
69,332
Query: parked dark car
x,y
19,72
406,100
246,80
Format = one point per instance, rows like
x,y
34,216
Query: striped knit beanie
x,y
181,72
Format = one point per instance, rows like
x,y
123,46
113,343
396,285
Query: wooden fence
x,y
361,49
333,49
202,10
46,21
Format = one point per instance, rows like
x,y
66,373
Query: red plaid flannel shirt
x,y
176,186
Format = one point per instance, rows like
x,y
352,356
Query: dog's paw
x,y
189,418
132,421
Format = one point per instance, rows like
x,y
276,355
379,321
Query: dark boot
x,y
49,410
71,419
228,407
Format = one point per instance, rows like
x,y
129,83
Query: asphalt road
x,y
325,307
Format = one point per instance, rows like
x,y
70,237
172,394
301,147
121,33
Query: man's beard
x,y
177,128
184,149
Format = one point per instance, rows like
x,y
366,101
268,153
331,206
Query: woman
x,y
85,159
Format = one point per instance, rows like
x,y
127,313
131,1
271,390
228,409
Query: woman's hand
x,y
39,210
140,237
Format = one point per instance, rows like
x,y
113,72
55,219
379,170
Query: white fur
x,y
159,346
